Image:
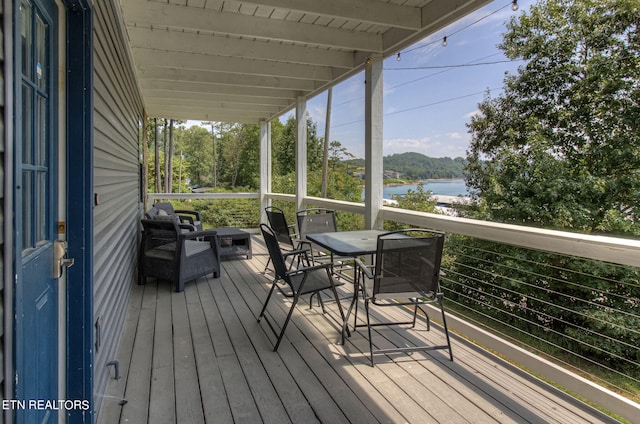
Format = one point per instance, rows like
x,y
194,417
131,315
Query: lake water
x,y
454,187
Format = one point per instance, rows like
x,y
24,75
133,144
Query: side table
x,y
233,241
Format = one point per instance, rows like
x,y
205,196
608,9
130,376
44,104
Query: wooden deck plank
x,y
363,380
322,403
139,376
319,405
214,399
224,369
162,406
264,395
240,400
292,399
188,399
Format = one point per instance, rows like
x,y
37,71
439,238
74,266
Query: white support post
x,y
373,143
301,152
265,167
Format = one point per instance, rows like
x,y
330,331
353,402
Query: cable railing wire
x,y
567,296
551,318
534,349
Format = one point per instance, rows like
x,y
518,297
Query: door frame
x,y
79,147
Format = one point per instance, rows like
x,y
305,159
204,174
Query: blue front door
x,y
35,210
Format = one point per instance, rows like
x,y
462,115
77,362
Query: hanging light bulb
x,y
398,57
514,5
368,61
444,41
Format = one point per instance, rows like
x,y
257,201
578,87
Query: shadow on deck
x,y
201,357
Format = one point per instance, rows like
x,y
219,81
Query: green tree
x,y
561,146
198,151
240,152
284,143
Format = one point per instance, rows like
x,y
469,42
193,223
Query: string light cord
x,y
418,79
435,74
461,65
448,36
439,102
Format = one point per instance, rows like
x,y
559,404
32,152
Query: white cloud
x,y
472,114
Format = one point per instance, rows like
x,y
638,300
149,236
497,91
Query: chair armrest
x,y
365,268
186,219
189,227
308,269
294,252
189,212
206,234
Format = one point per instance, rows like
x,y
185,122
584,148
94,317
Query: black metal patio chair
x,y
286,235
322,220
406,273
294,283
316,220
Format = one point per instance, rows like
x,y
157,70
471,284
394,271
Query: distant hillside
x,y
416,166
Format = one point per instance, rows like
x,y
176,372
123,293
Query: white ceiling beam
x,y
205,115
225,78
211,104
197,19
440,13
146,58
153,95
197,87
367,11
160,39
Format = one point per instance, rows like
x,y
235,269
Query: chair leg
x,y
266,266
356,290
366,307
286,322
321,302
264,307
426,317
444,324
335,294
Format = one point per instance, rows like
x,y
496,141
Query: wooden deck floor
x,y
201,357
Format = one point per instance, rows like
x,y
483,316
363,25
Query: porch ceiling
x,y
246,61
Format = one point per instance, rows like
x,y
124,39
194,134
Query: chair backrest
x,y
159,232
165,206
408,261
278,224
279,265
316,220
151,213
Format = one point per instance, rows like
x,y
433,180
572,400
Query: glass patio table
x,y
350,244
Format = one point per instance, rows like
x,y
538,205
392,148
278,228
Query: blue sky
x,y
426,110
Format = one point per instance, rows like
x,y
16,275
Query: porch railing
x,y
559,304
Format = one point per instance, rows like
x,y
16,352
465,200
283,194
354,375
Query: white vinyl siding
x,y
117,113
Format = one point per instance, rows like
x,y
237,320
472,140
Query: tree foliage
x,y
416,166
561,146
